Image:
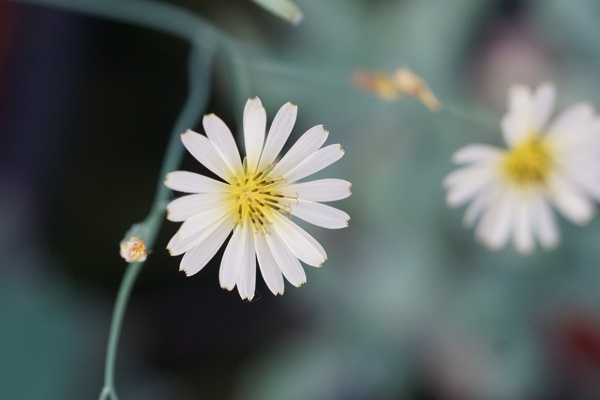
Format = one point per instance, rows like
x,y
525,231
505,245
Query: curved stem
x,y
129,279
156,15
199,69
204,40
199,66
472,115
201,35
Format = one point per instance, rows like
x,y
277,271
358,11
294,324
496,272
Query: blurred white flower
x,y
256,200
511,191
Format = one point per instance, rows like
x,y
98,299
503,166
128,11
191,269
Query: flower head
x,y
133,249
256,199
547,164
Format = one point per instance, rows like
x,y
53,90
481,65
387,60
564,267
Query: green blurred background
x,y
408,306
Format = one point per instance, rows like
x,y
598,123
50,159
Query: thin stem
x,y
156,15
472,115
199,66
199,87
129,279
201,35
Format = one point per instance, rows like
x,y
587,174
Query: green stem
x,y
199,70
129,279
204,40
472,115
199,67
202,36
156,15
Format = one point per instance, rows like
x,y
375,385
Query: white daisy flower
x,y
512,191
256,200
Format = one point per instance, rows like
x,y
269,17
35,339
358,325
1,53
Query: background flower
x,y
546,164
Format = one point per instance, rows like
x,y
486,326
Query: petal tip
x,y
187,132
185,272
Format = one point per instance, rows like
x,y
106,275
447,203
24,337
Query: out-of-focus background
x,y
408,306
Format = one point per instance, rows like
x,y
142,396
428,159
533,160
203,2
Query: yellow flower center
x,y
257,197
529,163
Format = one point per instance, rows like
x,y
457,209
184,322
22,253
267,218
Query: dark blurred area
x,y
86,108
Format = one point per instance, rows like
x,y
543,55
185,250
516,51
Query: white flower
x,y
255,200
512,191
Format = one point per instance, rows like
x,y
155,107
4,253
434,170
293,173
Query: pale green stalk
x,y
204,40
199,69
470,114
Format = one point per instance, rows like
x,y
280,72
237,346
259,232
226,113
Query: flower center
x,y
529,163
256,197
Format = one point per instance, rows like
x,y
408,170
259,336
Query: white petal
x,y
232,258
517,123
278,134
255,124
320,214
570,203
220,136
543,104
494,228
319,190
466,183
481,202
253,102
203,219
178,245
184,207
300,243
315,162
308,144
268,266
574,119
519,98
286,261
246,281
190,182
459,176
523,229
545,223
196,258
586,179
476,153
205,152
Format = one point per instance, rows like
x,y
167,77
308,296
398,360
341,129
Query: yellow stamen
x,y
256,197
528,163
